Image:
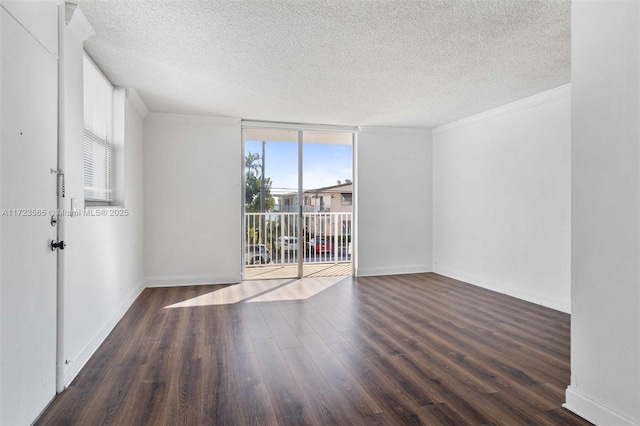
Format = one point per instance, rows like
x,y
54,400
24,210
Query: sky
x,y
323,164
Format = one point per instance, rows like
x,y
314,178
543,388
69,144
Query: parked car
x,y
319,245
257,254
286,243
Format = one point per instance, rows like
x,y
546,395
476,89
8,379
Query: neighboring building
x,y
337,199
322,201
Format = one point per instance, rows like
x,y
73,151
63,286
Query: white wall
x,y
193,200
104,254
35,16
393,201
1,203
502,199
605,321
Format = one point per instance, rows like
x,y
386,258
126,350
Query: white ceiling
x,y
350,62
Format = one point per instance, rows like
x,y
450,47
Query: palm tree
x,y
252,164
253,183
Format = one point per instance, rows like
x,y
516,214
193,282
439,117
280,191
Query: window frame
x,y
98,142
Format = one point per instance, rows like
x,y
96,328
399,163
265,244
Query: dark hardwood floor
x,y
410,349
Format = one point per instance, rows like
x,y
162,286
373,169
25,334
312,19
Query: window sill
x,y
97,206
105,210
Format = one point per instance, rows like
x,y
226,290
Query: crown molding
x,y
560,92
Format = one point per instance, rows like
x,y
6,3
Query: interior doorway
x,y
298,202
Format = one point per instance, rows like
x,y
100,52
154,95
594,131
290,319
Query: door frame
x,y
300,128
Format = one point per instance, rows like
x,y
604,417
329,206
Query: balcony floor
x,y
267,272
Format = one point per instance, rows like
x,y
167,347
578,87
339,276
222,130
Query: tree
x,y
252,164
253,181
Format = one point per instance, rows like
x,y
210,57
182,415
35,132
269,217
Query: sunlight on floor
x,y
262,291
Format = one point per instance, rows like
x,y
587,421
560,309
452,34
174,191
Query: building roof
x,y
342,188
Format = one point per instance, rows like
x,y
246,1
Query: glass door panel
x,y
271,228
327,199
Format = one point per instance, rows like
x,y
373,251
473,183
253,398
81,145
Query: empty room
x,y
230,212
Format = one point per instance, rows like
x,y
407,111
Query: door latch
x,y
57,245
61,186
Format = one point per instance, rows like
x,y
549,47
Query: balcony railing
x,y
325,238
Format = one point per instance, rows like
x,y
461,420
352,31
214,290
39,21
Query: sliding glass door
x,y
327,206
298,196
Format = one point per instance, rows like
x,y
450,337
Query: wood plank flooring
x,y
409,349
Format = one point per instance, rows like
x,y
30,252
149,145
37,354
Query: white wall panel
x,y
103,258
394,203
502,199
605,320
193,195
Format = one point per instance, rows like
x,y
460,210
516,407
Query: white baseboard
x,y
80,358
590,409
192,280
505,288
393,270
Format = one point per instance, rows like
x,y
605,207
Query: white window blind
x,y
98,135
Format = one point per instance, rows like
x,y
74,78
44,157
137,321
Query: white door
x,y
28,152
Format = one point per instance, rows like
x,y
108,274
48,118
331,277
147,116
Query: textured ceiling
x,y
368,62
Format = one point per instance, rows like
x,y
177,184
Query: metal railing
x,y
325,238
